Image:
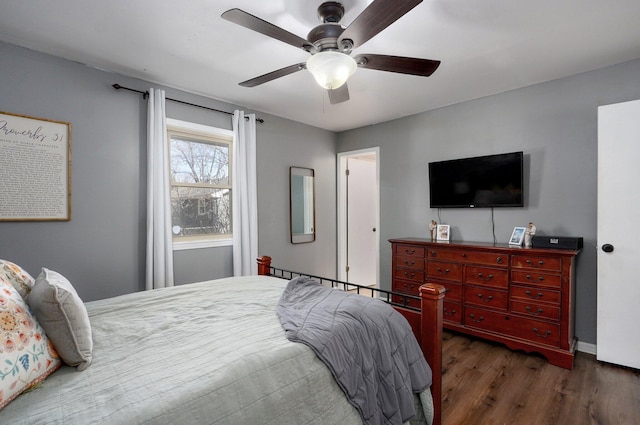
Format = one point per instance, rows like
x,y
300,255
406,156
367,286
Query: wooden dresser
x,y
521,297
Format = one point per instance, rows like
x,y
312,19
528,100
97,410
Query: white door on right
x,y
618,338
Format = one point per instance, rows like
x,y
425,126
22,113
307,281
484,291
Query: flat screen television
x,y
478,182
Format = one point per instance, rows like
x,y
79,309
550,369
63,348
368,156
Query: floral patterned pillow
x,y
26,355
17,276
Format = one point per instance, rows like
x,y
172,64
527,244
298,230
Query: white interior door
x,y
358,216
361,220
618,250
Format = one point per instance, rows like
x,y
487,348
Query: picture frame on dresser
x,y
517,237
443,232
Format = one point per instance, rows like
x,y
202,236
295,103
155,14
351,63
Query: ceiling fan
x,y
330,45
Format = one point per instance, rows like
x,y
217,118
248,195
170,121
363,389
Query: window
x,y
201,186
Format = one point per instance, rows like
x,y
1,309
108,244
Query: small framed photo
x,y
517,236
443,232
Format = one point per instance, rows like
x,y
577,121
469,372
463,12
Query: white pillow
x,y
64,318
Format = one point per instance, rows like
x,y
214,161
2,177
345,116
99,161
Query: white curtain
x,y
244,195
159,246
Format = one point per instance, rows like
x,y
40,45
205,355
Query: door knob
x,y
607,247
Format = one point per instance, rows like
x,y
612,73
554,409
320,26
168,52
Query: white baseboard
x,y
587,348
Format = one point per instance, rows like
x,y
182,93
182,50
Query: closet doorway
x,y
359,217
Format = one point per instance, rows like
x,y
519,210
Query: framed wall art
x,y
35,168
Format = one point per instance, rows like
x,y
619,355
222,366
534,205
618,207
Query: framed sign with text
x,y
35,169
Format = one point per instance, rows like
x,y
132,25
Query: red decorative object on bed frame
x,y
426,325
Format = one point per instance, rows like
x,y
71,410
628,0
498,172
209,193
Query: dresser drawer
x,y
444,271
409,251
535,294
540,263
532,277
529,329
445,254
486,276
485,297
410,262
402,301
454,291
409,274
535,310
485,258
452,312
406,287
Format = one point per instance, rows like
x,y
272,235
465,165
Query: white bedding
x,y
205,353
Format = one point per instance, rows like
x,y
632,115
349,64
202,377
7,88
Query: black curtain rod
x,y
145,94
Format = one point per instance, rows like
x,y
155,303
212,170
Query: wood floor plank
x,y
486,383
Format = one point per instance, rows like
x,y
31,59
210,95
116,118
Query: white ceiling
x,y
486,47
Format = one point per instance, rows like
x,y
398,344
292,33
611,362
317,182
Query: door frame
x,y
342,210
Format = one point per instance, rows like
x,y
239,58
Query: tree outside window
x,y
200,185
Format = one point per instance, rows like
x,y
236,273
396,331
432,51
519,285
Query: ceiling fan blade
x,y
254,23
399,64
273,75
339,95
375,18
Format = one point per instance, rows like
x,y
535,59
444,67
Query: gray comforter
x,y
367,345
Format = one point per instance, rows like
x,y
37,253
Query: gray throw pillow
x,y
63,316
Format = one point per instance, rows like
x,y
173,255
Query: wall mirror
x,y
302,205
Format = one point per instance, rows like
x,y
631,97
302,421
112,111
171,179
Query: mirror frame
x,y
302,237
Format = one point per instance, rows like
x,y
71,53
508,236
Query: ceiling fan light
x,y
331,69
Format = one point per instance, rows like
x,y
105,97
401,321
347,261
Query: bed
x,y
207,353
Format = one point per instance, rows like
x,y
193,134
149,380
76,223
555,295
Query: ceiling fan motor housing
x,y
330,11
325,36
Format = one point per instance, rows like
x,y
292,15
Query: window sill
x,y
184,245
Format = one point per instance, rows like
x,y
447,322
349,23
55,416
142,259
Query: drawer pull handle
x,y
473,318
540,262
499,260
540,278
412,274
445,271
538,334
540,294
409,251
434,254
528,308
481,276
486,300
446,312
409,263
464,255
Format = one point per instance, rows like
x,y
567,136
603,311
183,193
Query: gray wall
x,y
555,124
102,249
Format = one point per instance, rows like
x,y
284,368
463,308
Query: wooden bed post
x,y
264,265
431,340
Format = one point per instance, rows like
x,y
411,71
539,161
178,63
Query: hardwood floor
x,y
487,384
